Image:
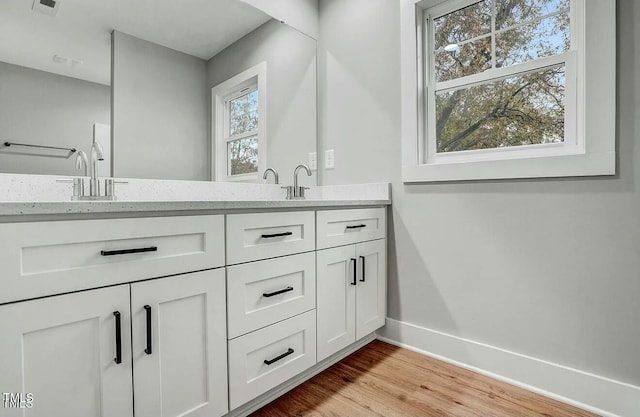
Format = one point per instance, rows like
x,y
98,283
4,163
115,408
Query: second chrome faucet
x,y
296,192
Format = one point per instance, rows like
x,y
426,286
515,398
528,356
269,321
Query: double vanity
x,y
206,312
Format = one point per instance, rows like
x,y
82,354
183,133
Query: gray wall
x,y
291,90
547,268
38,107
300,14
160,112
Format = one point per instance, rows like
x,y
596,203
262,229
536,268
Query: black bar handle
x,y
118,358
363,259
282,291
277,235
355,270
149,349
127,251
277,358
357,226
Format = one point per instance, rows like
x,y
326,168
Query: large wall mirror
x,y
189,90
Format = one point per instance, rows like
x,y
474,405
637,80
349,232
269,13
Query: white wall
x,y
160,112
546,268
38,107
291,91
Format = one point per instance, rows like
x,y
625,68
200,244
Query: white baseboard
x,y
590,392
287,386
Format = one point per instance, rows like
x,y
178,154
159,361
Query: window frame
x,y
589,143
221,96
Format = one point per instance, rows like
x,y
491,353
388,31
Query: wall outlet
x,y
313,161
329,159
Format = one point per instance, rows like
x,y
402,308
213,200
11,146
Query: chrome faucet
x,y
295,192
275,175
295,179
96,155
78,183
82,162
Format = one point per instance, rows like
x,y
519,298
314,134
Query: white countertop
x,y
22,195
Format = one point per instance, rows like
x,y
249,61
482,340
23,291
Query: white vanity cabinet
x,y
77,353
195,316
351,279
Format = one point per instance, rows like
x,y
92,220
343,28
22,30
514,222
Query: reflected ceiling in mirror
x,y
56,83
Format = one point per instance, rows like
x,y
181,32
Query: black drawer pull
x,y
127,251
277,358
355,270
277,235
357,226
364,260
118,358
148,350
271,294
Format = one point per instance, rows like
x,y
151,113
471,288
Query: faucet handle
x,y
290,191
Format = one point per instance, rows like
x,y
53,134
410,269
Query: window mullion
x,y
243,135
502,73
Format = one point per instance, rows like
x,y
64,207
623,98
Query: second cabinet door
x,y
179,345
336,299
351,294
371,300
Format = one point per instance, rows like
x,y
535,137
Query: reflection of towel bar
x,y
71,150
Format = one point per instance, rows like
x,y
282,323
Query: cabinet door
x,y
62,350
182,371
336,297
371,300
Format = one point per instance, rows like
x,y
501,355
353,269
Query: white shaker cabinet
x,y
179,345
351,280
72,352
76,353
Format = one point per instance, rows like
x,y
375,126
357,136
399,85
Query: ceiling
x,y
81,31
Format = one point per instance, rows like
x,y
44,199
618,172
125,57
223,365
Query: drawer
x,y
344,227
268,357
265,292
266,235
44,258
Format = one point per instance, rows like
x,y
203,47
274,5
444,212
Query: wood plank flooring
x,y
385,380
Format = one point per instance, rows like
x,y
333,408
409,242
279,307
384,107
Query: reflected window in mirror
x,y
240,141
241,131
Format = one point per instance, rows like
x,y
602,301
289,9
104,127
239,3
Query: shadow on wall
x,y
430,304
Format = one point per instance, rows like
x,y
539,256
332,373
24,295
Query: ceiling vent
x,y
48,7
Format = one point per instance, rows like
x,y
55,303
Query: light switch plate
x,y
313,161
329,159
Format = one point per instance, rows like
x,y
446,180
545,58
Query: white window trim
x,y
256,75
594,112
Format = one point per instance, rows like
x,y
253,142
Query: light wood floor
x,y
385,380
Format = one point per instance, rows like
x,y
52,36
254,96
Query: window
x,y
241,131
239,126
502,87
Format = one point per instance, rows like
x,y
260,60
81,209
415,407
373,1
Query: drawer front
x,y
266,235
344,227
265,292
268,357
44,258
